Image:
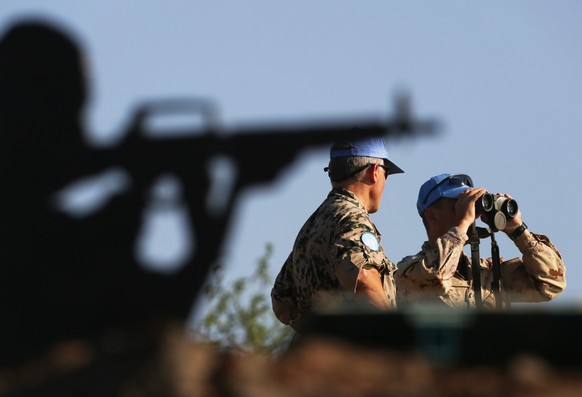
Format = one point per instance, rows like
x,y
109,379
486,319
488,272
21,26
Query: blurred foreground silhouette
x,y
69,275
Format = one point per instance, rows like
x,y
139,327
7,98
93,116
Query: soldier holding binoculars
x,y
441,272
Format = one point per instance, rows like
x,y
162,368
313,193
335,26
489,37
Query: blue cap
x,y
443,185
366,147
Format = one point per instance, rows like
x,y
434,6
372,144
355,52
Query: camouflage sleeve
x,y
353,254
283,295
357,250
433,265
540,275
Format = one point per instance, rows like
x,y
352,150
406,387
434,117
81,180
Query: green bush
x,y
239,316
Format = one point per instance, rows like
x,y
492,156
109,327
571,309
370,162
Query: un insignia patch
x,y
371,241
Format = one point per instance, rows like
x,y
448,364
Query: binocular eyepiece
x,y
496,209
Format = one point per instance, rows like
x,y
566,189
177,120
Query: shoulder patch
x,y
371,241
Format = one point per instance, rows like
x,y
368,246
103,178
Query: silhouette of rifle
x,y
260,151
257,153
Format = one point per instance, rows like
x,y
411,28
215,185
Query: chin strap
x,y
475,264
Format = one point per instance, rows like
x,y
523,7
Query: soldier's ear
x,y
375,172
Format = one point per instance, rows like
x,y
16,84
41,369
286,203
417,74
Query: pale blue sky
x,y
503,78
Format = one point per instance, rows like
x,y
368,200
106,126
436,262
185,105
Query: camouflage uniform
x,y
328,249
435,275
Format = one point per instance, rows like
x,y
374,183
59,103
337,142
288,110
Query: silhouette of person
x,y
62,277
58,274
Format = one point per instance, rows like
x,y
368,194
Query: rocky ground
x,y
177,366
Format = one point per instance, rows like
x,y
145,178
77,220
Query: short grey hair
x,y
340,167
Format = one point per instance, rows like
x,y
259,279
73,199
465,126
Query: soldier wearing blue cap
x,y
337,261
441,272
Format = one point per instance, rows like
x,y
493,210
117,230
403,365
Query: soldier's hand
x,y
512,223
465,206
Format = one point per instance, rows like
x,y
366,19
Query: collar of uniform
x,y
340,191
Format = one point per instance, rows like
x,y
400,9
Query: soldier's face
x,y
444,214
382,175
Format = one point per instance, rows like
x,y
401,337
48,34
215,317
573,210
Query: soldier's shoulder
x,y
345,214
410,260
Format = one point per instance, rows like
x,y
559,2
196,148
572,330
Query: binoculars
x,y
496,209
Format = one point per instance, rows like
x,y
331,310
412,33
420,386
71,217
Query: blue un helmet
x,y
443,185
